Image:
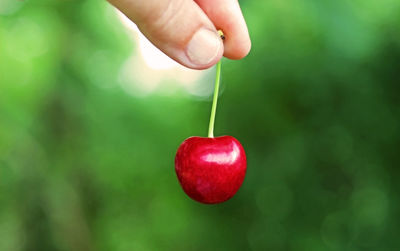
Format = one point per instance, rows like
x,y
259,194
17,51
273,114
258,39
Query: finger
x,y
179,28
227,16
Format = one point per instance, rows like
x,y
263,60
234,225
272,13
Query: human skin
x,y
186,30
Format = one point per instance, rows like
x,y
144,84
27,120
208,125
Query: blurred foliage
x,y
86,166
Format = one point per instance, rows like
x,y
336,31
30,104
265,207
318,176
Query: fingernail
x,y
203,47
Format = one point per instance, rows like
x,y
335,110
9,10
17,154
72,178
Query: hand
x,y
186,30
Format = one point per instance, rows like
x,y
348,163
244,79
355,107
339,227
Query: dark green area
x,y
84,165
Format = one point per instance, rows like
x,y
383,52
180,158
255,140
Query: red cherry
x,y
210,170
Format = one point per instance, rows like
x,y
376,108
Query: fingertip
x,y
237,50
214,61
204,50
227,16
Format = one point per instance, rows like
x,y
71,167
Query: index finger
x,y
227,16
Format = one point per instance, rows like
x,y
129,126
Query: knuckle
x,y
166,21
165,17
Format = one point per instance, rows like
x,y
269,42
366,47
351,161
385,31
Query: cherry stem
x,y
214,103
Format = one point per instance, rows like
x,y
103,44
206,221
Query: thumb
x,y
179,28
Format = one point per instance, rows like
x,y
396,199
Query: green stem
x,y
214,103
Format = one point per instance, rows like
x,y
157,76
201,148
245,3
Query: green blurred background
x,y
88,164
